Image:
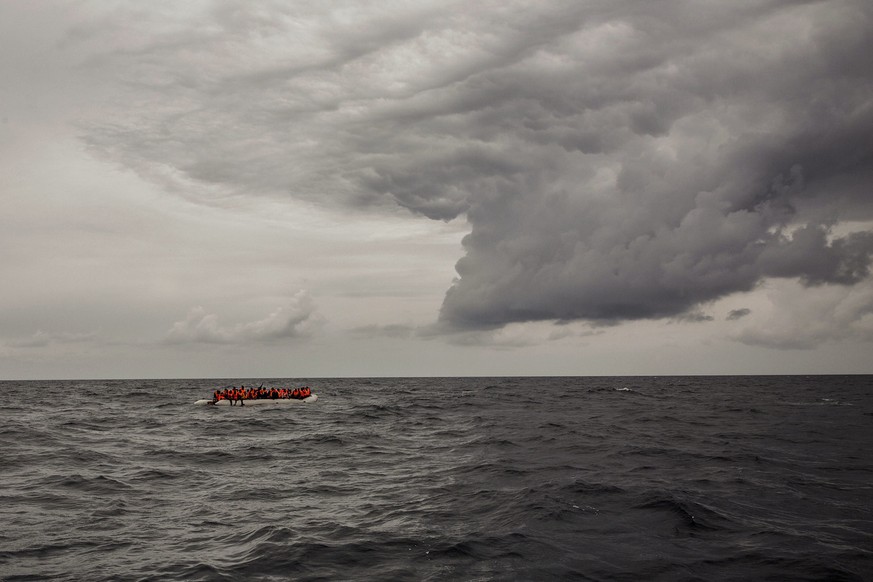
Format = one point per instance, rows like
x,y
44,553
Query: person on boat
x,y
239,395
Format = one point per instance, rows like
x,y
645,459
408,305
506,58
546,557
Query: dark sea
x,y
591,478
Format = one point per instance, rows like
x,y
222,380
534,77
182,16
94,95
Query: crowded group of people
x,y
241,394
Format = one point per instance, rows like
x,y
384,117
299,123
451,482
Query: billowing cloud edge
x,y
297,319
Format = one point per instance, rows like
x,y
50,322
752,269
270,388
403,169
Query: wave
x,y
688,515
97,484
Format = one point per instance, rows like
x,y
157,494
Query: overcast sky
x,y
359,188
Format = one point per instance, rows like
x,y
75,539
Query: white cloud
x,y
296,319
806,318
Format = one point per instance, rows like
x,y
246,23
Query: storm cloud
x,y
614,160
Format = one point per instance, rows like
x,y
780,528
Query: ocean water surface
x,y
590,478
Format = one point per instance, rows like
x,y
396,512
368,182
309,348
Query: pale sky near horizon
x,y
354,188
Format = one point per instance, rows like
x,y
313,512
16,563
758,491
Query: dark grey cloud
x,y
694,317
735,314
615,160
718,182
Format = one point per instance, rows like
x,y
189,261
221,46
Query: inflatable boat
x,y
262,401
